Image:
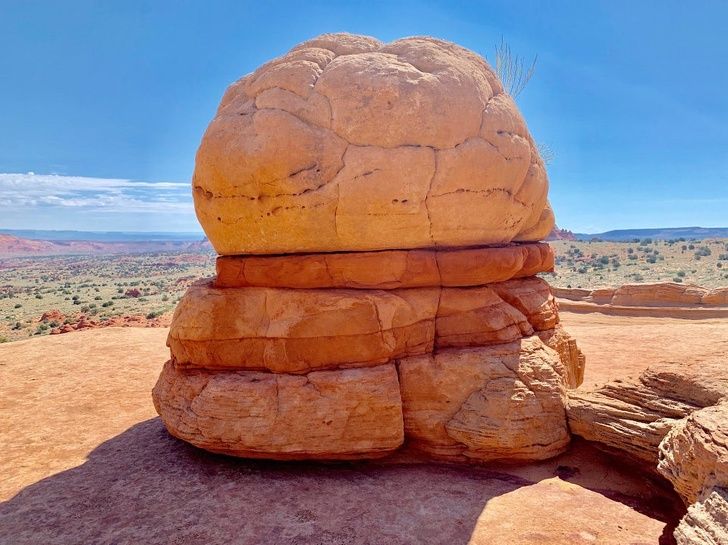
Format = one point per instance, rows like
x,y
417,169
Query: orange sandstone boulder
x,y
377,210
342,414
349,144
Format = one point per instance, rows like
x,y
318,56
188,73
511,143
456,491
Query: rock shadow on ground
x,y
144,486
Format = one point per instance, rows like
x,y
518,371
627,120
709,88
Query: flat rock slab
x,y
386,269
85,461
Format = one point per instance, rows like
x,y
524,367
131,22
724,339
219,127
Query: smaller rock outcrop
x,y
662,299
675,418
633,415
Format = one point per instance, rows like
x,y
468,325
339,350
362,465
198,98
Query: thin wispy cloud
x,y
62,202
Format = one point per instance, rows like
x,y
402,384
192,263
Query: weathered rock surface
x,y
706,522
634,415
477,317
285,330
571,356
348,144
503,401
342,414
297,330
694,458
532,296
694,454
386,269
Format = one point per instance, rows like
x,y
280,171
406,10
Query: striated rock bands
x,y
295,331
634,415
386,269
369,146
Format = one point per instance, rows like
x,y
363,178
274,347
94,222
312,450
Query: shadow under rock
x,y
144,486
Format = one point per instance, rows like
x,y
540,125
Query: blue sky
x,y
105,102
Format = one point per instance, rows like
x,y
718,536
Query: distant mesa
x,y
560,234
12,245
667,233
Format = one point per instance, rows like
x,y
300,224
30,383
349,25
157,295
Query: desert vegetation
x,y
591,264
149,285
39,294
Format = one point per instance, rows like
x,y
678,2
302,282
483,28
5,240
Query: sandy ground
x,y
85,460
618,346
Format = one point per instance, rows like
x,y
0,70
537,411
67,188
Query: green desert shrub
x,y
703,251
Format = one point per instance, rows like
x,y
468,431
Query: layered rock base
x,y
339,356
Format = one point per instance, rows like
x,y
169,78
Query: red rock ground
x,y
85,460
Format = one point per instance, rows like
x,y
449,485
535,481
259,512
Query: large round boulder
x,y
349,144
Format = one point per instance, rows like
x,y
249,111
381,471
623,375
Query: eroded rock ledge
x,y
675,418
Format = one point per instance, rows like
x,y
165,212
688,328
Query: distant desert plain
x,y
50,287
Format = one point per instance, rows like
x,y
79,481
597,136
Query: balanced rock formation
x,y
377,209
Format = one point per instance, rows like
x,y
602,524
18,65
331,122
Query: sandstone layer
x,y
346,143
386,269
343,414
295,331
